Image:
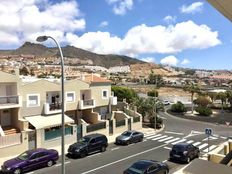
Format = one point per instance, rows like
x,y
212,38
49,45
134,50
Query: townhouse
x,y
30,111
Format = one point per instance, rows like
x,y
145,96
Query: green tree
x,y
202,101
229,98
153,93
24,71
155,79
124,93
192,89
222,96
178,107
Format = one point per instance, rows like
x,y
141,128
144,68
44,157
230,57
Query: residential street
x,y
154,146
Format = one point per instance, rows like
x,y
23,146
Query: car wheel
x,y
50,163
83,154
188,160
128,142
103,148
17,171
198,155
141,139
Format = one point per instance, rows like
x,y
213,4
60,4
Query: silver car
x,y
129,137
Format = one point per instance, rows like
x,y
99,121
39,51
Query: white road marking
x,y
197,143
168,138
57,165
210,138
202,146
164,161
190,141
210,148
176,133
123,159
152,136
180,141
164,118
96,154
223,137
157,138
115,148
169,141
169,148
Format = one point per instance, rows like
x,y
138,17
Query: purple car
x,y
29,160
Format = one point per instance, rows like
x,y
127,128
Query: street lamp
x,y
42,39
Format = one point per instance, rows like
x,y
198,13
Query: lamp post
x,y
42,39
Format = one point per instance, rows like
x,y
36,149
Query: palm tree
x,y
192,88
222,96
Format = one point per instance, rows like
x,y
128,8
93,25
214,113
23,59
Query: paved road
x,y
154,146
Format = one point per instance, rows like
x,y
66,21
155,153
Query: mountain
x,y
39,50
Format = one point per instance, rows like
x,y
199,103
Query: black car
x,y
129,137
184,152
88,144
147,167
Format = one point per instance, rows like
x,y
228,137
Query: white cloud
x,y
170,19
185,61
193,8
169,60
21,19
150,39
104,24
120,7
148,59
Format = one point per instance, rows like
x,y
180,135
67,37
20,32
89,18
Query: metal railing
x,y
10,140
9,99
88,102
94,127
120,123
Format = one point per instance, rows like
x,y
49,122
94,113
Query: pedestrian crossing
x,y
172,140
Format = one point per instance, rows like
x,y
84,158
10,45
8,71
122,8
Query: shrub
x,y
178,107
159,122
153,93
205,111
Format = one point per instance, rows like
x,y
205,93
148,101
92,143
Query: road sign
x,y
208,131
227,123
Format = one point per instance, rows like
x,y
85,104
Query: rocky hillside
x,y
39,50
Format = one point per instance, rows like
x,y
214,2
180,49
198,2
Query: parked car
x,y
184,152
147,167
166,102
129,137
30,160
88,144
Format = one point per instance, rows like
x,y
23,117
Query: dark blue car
x,y
30,160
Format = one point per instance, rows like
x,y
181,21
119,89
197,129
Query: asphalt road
x,y
154,146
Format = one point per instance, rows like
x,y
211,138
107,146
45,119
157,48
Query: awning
x,y
40,122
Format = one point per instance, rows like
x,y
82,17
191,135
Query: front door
x,y
5,118
31,140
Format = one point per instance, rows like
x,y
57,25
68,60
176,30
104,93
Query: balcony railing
x,y
10,101
86,104
10,140
52,108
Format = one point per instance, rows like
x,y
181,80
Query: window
x,y
33,100
70,96
105,94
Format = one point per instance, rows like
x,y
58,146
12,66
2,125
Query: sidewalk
x,y
111,139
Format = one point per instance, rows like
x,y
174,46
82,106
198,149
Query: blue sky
x,y
184,33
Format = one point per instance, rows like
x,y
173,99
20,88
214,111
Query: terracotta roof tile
x,y
94,78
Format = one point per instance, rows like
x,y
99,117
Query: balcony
x,y
86,104
52,108
13,101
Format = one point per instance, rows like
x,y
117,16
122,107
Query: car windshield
x,y
84,140
126,134
24,156
179,148
135,171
